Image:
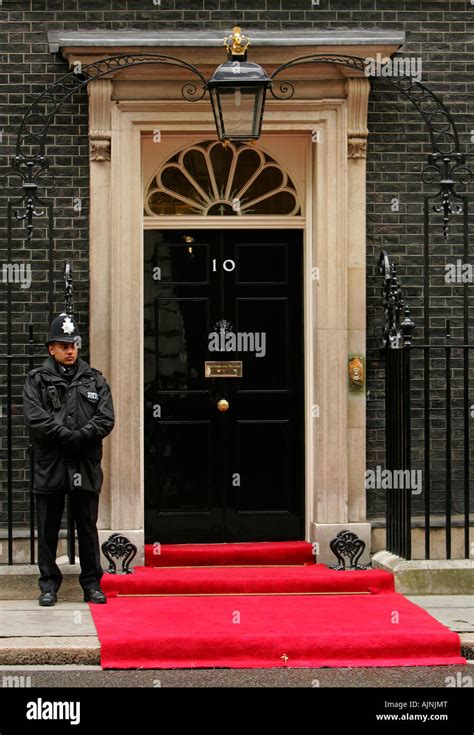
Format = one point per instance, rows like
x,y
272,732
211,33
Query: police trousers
x,y
49,512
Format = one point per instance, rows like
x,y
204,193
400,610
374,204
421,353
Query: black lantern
x,y
237,89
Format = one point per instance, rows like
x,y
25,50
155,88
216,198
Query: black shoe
x,y
47,599
95,596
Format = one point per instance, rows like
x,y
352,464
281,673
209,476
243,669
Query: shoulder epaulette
x,y
98,371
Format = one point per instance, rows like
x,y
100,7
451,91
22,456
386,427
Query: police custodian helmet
x,y
63,328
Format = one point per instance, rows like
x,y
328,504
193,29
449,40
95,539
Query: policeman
x,y
68,407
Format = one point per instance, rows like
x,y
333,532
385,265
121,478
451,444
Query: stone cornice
x,y
205,50
58,39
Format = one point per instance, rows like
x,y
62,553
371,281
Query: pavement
x,y
454,611
63,634
408,677
60,644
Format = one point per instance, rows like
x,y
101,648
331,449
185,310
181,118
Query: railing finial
x,y
396,333
68,295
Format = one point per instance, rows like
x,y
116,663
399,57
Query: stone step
x,y
85,650
20,582
57,650
467,645
433,577
58,635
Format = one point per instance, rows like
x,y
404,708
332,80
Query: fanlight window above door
x,y
210,178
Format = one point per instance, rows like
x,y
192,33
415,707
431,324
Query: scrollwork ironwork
x,y
442,170
59,92
190,92
347,544
25,178
286,90
354,62
119,546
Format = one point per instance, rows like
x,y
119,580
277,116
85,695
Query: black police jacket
x,y
85,403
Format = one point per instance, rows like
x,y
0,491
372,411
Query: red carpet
x,y
252,632
266,552
258,606
228,580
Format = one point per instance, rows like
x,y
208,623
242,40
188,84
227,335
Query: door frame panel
x,y
117,306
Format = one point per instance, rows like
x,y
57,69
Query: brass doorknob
x,y
222,405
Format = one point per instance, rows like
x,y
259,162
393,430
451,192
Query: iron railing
x,y
427,428
17,455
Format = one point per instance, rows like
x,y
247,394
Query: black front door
x,y
235,474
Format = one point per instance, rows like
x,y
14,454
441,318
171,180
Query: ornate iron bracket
x,y
27,176
397,333
347,544
29,169
119,547
446,164
442,170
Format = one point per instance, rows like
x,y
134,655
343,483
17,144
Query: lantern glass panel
x,y
238,111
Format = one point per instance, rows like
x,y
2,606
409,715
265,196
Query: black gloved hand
x,y
87,433
69,438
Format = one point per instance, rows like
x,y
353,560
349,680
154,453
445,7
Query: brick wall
x,y
440,31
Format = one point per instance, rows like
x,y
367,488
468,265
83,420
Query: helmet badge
x,y
67,326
